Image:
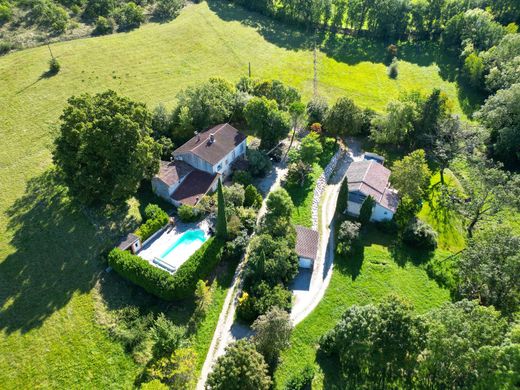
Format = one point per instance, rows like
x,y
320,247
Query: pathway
x,y
226,330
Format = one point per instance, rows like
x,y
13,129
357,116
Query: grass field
x,y
50,248
372,273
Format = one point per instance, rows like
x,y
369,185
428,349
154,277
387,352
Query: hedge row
x,y
156,218
162,284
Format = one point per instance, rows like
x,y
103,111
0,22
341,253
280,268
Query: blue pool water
x,y
184,247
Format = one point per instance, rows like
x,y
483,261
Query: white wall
x,y
380,213
353,208
226,167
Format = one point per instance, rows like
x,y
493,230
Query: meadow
x,y
52,250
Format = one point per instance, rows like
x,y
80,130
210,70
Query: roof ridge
x,y
220,128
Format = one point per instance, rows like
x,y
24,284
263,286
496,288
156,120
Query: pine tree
x,y
221,213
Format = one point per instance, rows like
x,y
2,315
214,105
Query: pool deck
x,y
156,245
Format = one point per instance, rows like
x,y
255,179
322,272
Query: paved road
x,y
309,287
227,331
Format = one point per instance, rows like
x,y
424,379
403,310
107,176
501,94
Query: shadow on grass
x,y
332,379
56,252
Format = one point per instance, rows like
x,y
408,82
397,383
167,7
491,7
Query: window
x,y
219,167
242,147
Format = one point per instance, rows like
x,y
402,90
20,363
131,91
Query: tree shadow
x,y
332,378
403,254
56,252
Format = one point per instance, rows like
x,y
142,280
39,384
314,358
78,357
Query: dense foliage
x,y
419,234
272,334
155,218
105,147
160,283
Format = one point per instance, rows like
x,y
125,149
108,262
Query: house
x,y
198,164
306,246
370,178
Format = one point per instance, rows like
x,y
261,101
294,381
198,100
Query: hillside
x,y
49,249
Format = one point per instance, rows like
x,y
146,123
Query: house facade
x,y
370,178
198,164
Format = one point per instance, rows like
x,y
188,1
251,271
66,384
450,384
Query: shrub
x,y
252,198
298,172
188,213
247,218
234,195
348,233
419,234
311,148
393,69
242,177
95,8
104,26
155,218
50,15
366,210
155,384
6,47
259,163
54,66
160,283
168,9
302,380
317,110
166,335
261,299
129,16
6,12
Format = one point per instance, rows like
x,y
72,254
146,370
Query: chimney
x,y
198,136
211,138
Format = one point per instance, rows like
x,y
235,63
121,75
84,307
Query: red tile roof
x,y
171,172
226,136
306,242
371,178
194,187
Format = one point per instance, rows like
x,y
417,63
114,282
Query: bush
x,y
247,218
261,299
242,177
347,234
259,163
95,8
129,16
6,47
302,380
188,213
234,195
6,12
298,173
166,335
160,283
155,384
104,26
393,69
155,219
54,66
168,9
420,235
252,198
49,15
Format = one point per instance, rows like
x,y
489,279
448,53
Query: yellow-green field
x,y
50,249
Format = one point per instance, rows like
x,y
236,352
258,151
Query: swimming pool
x,y
182,248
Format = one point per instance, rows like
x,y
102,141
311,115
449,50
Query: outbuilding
x,y
306,246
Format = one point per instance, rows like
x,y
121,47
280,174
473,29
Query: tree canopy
x,y
104,148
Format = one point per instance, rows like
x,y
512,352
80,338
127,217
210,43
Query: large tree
x,y
240,368
267,121
489,269
105,147
487,190
501,115
343,118
272,334
221,227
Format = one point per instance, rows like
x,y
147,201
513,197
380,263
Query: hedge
x,y
156,218
162,284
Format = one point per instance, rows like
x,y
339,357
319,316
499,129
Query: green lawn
x,y
374,272
302,198
49,247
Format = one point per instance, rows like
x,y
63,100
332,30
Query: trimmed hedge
x,y
160,283
156,218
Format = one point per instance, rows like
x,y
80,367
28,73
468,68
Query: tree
x,y
168,9
343,118
500,114
103,26
267,121
388,18
365,213
298,172
434,109
166,335
95,8
129,16
489,269
487,190
347,234
177,371
240,368
357,11
259,163
203,297
104,148
279,206
297,111
252,198
272,334
310,148
377,346
456,334
205,105
317,110
419,234
278,91
221,213
411,177
502,63
234,195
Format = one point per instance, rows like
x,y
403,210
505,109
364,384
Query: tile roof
x,y
226,136
194,187
171,172
127,241
306,242
371,178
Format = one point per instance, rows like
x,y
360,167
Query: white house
x,y
306,246
370,178
198,164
